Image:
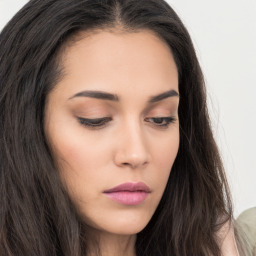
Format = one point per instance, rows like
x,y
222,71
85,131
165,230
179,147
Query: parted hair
x,y
37,216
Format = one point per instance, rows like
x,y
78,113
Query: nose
x,y
132,150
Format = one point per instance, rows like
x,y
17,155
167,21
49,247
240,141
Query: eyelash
x,y
97,123
158,121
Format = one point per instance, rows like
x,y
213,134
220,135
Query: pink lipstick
x,y
129,193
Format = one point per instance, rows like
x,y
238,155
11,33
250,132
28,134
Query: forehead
x,y
115,60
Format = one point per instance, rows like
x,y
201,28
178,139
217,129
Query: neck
x,y
112,245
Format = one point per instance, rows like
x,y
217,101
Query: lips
x,y
129,193
131,187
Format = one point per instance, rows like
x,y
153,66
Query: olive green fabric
x,y
247,226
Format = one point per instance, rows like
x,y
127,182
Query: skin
x,y
227,240
131,146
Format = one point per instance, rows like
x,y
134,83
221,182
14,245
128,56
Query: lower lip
x,y
128,197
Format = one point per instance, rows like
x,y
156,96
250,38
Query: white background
x,y
224,35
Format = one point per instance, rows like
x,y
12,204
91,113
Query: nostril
x,y
132,153
134,164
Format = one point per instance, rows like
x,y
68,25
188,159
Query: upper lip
x,y
129,186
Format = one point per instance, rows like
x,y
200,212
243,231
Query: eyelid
x,y
94,123
168,120
98,123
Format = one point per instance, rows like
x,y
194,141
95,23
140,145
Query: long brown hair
x,y
37,216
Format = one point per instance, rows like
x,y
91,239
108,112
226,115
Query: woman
x,y
106,145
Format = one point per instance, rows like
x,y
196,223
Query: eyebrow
x,y
164,95
113,97
97,95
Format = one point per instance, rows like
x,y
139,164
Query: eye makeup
x,y
94,122
162,122
97,123
97,115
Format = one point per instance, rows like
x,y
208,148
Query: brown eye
x,y
161,121
95,122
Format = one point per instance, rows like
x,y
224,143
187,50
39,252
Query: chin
x,y
128,229
125,225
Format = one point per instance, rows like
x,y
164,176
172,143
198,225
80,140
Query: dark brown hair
x,y
37,216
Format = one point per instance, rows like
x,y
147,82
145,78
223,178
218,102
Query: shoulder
x,y
226,237
246,225
248,220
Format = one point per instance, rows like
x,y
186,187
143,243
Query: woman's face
x,y
113,120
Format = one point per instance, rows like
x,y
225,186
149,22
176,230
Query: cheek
x,y
77,160
77,166
71,146
164,155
